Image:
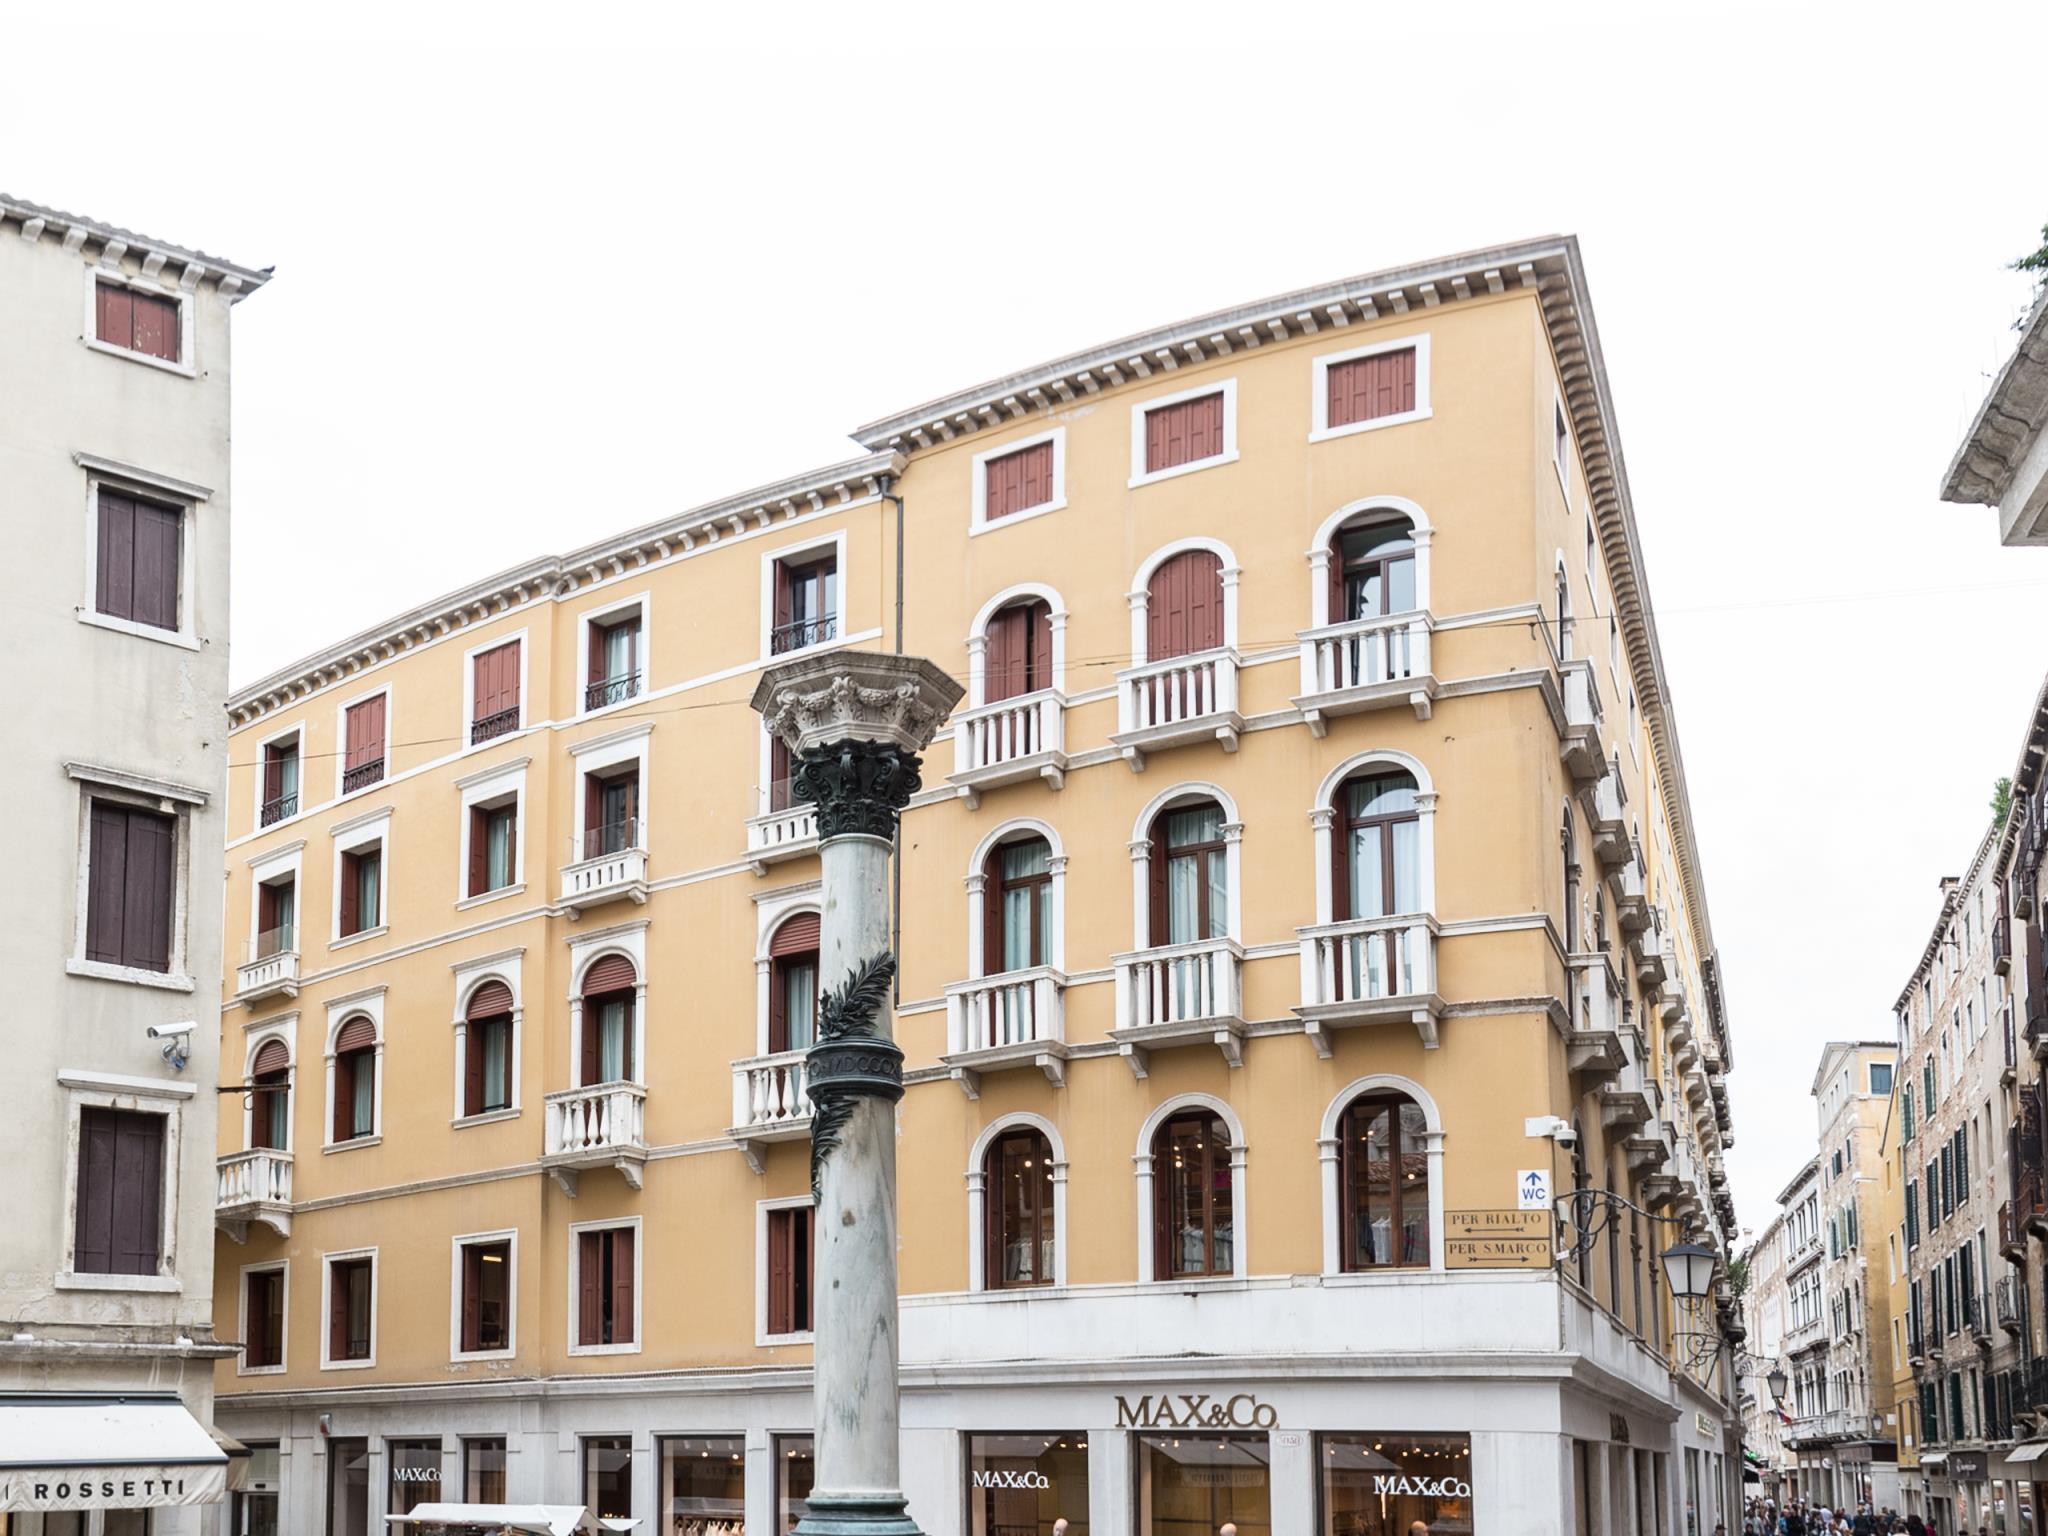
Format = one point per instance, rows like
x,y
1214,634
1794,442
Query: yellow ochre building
x,y
1302,898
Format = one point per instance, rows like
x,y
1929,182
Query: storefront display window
x,y
348,1488
483,1471
1191,1485
795,1465
608,1476
1382,1484
1023,1485
253,1511
413,1468
705,1483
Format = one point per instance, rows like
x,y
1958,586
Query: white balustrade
x,y
1582,707
768,1093
1364,652
994,734
1368,959
783,834
260,1176
1179,983
596,1121
606,862
276,971
1179,690
1015,1008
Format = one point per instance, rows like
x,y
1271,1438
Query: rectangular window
x,y
362,887
137,557
280,781
1396,1482
1561,444
487,1065
791,1266
1366,388
1204,1483
120,1192
608,1476
137,322
130,887
1025,1482
263,1327
806,603
493,846
486,1296
1184,432
349,1292
495,690
415,1473
363,759
1019,481
483,1470
605,1284
795,1468
614,668
277,904
705,1478
611,812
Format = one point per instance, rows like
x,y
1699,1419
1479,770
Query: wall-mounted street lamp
x,y
1689,1265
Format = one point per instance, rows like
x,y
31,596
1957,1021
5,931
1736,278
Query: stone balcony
x,y
1366,664
1178,702
768,1104
1579,746
253,1186
606,864
1004,1022
1374,970
604,1126
1012,741
1607,806
786,832
1594,1052
1180,994
272,972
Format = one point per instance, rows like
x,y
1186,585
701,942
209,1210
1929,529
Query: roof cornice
x,y
235,281
1950,901
2008,421
1810,1170
2026,774
551,576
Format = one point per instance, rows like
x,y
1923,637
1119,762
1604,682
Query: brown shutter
x,y
273,774
1038,624
632,811
146,901
992,913
337,1311
1018,481
1340,855
157,535
1000,658
589,1279
273,1057
138,1193
490,1000
115,314
1185,605
588,1075
613,973
497,681
351,866
365,733
783,603
266,908
781,1288
511,842
472,1297
797,935
114,581
778,1008
156,326
358,1034
593,810
622,1285
256,1350
93,1246
1184,432
344,1098
107,884
1162,1212
473,1066
1157,871
479,850
595,667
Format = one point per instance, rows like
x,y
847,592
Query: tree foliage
x,y
2001,802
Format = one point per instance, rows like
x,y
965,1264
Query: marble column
x,y
855,722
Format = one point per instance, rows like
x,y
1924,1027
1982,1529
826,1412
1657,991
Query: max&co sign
x,y
1422,1487
1195,1410
1011,1479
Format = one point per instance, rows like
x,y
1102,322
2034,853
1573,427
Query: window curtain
x,y
611,1040
799,999
363,1083
1023,861
497,1041
498,851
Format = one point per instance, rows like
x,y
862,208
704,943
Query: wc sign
x,y
1532,1189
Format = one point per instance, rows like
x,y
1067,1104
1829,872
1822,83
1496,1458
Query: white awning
x,y
63,1451
2033,1450
523,1519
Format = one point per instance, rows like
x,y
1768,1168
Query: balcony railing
x,y
769,1103
1177,701
784,638
2009,1295
783,830
602,1126
362,776
606,863
1366,664
272,968
1015,1019
607,691
1180,994
253,1186
1009,742
1610,818
1367,960
503,723
278,807
1583,715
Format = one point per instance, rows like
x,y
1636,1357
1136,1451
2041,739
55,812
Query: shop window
x,y
608,1476
483,1470
607,1285
1018,1201
1384,1167
414,1473
1191,1485
487,1050
704,1482
1190,875
792,1268
487,1296
348,1488
1017,915
355,1079
253,1510
1193,1201
610,990
1027,1483
793,983
795,1467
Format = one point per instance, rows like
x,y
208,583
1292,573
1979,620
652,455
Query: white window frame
x,y
490,790
772,910
515,637
99,273
282,1028
470,975
977,1200
162,490
349,837
1188,792
284,1339
629,744
85,1089
1561,449
762,1337
771,560
979,521
1018,829
509,1235
1141,1162
369,1003
1320,430
327,1263
177,801
267,868
263,745
574,1307
604,615
341,710
1140,409
1140,596
585,950
1330,1153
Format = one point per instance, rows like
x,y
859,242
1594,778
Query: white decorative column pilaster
x,y
854,722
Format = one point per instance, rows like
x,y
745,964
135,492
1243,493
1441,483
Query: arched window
x,y
608,993
270,1096
1018,1206
1017,911
487,1050
1372,570
1018,659
793,983
1190,874
1184,606
355,1079
1384,1170
1193,1205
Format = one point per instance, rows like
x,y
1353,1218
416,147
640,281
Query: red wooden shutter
x,y
1018,481
613,973
490,1000
1184,605
138,1193
351,865
358,1034
797,935
622,1285
273,774
1370,387
1038,623
589,1074
593,811
256,1350
1000,657
479,850
1340,856
589,1282
497,681
365,733
596,670
472,1298
93,1245
778,1009
781,1289
115,307
156,326
273,1057
784,595
1184,432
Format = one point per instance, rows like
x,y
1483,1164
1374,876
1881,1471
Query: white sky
x,y
538,286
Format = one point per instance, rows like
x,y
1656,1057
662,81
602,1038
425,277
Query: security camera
x,y
1565,1137
177,1042
1555,1127
171,1031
